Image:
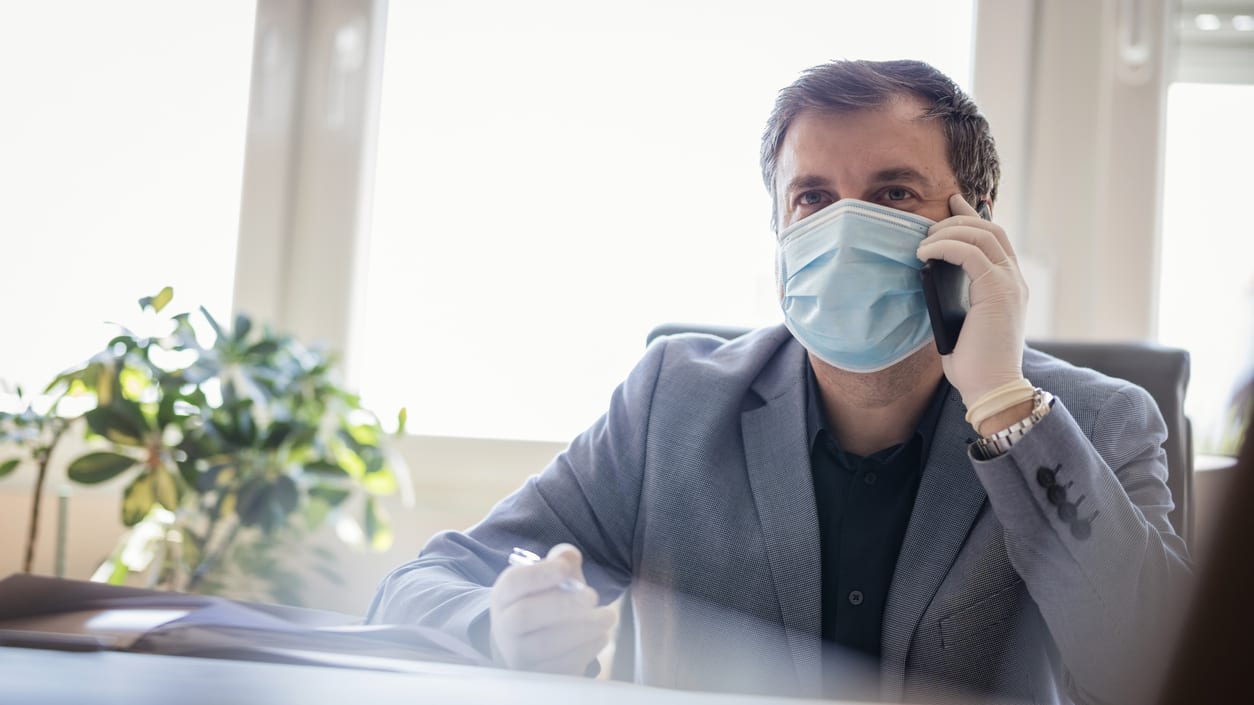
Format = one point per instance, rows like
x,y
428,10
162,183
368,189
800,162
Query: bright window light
x,y
556,178
1208,23
1206,301
123,148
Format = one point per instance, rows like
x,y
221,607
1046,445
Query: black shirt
x,y
864,505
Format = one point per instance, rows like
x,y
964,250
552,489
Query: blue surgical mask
x,y
851,290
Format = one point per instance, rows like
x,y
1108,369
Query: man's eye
x,y
896,194
810,198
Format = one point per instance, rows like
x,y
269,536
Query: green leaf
x,y
98,467
284,494
252,502
364,434
242,326
347,459
189,473
268,505
333,496
265,348
165,408
159,301
378,532
228,504
165,489
138,500
83,376
213,323
315,512
380,483
121,422
402,417
193,547
322,467
278,432
236,423
9,466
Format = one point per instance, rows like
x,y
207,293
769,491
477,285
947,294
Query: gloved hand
x,y
539,624
989,352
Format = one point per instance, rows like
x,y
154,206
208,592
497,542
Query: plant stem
x,y
212,557
44,458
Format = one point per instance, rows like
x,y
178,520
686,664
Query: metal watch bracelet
x,y
989,447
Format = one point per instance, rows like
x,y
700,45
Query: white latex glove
x,y
539,625
989,352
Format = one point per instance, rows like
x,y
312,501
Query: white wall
x,y
1075,91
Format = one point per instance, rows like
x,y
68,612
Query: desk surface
x,y
42,677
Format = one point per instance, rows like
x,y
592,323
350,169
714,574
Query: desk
x,y
41,677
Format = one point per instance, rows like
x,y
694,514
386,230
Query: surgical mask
x,y
851,289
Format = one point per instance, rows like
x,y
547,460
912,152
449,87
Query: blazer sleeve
x,y
588,496
1086,527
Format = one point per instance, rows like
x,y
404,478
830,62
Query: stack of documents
x,y
44,612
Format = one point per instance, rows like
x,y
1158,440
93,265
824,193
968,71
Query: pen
x,y
521,556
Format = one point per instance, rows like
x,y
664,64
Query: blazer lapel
x,y
949,498
778,461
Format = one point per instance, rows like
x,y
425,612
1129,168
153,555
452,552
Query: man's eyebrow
x,y
807,181
900,173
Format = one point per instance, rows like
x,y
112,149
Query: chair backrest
x,y
1161,371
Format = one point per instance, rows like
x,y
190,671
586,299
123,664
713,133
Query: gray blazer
x,y
695,491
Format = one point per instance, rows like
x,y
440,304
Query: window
x,y
1206,302
123,147
556,178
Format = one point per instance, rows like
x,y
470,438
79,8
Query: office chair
x,y
1161,371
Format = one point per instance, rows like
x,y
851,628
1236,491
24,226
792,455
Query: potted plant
x,y
235,443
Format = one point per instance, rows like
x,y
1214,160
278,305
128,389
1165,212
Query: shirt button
x,y
855,597
869,478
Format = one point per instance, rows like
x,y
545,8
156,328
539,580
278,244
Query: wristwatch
x,y
989,447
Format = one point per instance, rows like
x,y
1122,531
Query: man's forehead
x,y
893,142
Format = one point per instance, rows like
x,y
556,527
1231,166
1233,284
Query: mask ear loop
x,y
779,269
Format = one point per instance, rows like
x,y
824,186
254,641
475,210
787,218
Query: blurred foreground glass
x,y
123,146
1206,298
556,178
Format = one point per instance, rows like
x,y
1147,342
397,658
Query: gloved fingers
x,y
965,214
536,612
516,582
574,662
971,258
980,237
975,221
567,552
562,640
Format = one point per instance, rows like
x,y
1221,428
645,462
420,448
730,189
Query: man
x,y
991,522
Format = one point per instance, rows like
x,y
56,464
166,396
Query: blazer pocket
x,y
982,616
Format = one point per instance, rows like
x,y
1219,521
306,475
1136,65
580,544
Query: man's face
x,y
888,155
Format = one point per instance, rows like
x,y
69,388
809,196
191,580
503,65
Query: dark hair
x,y
844,86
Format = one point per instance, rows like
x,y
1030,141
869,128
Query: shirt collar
x,y
816,420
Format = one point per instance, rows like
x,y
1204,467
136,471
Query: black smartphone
x,y
946,290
